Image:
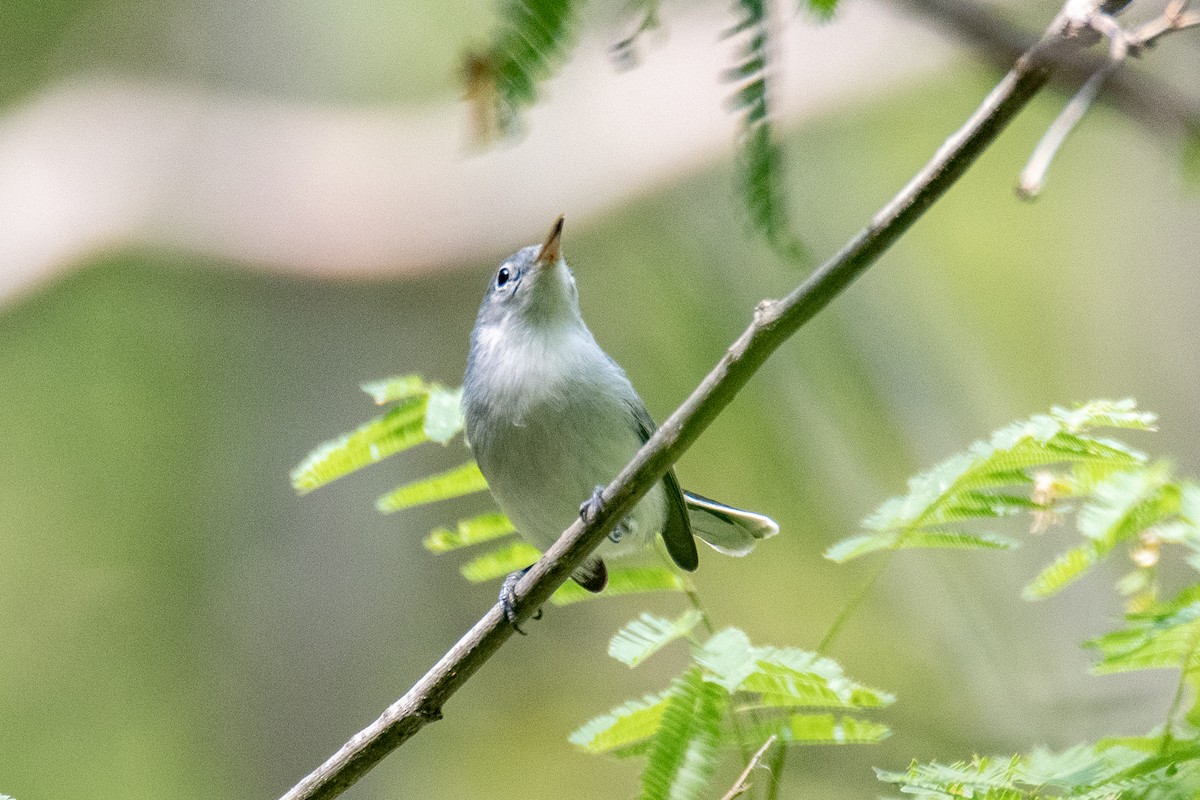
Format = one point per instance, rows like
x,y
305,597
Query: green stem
x,y
775,767
849,609
1180,690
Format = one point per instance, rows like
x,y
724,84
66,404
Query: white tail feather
x,y
726,529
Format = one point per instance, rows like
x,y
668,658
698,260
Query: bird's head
x,y
534,286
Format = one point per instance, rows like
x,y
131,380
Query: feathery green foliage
x,y
978,484
467,532
732,696
625,727
462,480
421,412
1165,637
685,747
645,636
760,157
399,429
622,581
534,40
1122,499
1093,772
500,562
535,37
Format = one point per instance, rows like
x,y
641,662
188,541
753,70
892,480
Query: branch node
x,y
766,313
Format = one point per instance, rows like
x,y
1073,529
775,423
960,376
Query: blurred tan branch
x,y
775,321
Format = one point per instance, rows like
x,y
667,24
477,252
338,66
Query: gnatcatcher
x,y
552,419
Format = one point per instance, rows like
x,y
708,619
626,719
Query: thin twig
x,y
1121,45
775,321
1033,177
741,786
1160,108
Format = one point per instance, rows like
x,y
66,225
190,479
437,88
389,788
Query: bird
x,y
551,419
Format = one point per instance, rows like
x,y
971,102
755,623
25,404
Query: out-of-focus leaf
x,y
399,429
466,479
443,415
500,562
823,729
684,753
646,635
389,390
534,40
622,580
467,532
626,725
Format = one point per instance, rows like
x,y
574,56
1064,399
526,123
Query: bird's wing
x,y
677,529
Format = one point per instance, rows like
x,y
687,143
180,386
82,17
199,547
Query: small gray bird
x,y
552,419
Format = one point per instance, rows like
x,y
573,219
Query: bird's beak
x,y
549,255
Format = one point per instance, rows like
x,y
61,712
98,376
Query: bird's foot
x,y
589,509
508,598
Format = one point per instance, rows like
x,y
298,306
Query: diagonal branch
x,y
775,321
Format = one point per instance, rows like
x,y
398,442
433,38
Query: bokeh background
x,y
217,219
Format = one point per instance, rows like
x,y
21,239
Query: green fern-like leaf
x,y
1166,637
627,725
389,390
500,562
399,429
443,414
467,532
646,635
972,485
823,729
760,158
686,745
1121,506
784,675
533,42
621,581
1081,773
462,480
1065,570
860,545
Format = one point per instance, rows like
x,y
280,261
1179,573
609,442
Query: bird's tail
x,y
727,530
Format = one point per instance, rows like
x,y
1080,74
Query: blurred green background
x,y
176,623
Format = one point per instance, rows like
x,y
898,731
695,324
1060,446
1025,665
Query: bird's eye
x,y
502,276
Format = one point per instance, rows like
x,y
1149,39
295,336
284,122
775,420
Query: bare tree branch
x,y
1159,107
775,321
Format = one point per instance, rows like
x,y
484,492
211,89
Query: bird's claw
x,y
589,509
508,598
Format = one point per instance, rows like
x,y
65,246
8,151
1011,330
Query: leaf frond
x,y
760,158
399,429
626,725
646,635
462,480
500,562
467,532
621,581
686,745
972,485
534,40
